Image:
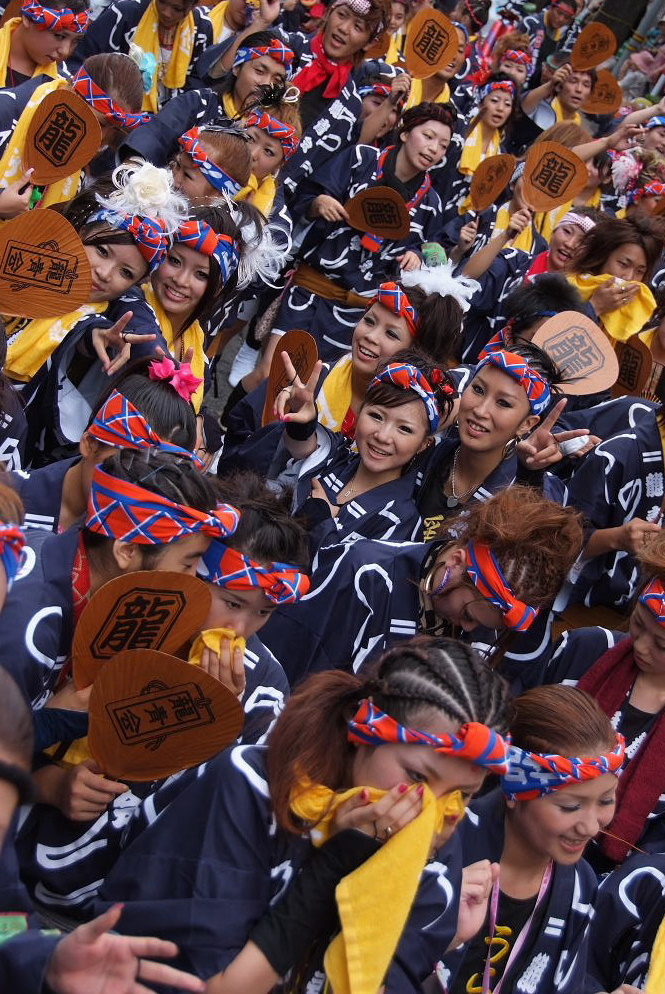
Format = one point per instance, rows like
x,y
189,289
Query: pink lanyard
x,y
521,938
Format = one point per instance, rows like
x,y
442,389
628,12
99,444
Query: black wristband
x,y
300,433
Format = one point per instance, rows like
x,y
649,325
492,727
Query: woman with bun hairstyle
x,y
557,796
368,493
112,90
397,753
625,673
394,590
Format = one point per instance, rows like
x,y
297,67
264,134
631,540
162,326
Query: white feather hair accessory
x,y
147,191
261,257
440,279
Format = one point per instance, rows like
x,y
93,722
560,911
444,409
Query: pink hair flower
x,y
162,370
184,382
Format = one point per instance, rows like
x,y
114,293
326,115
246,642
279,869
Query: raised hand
x,y
116,337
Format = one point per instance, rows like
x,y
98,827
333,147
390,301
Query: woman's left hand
x,y
116,337
227,666
541,448
477,882
94,960
380,819
410,261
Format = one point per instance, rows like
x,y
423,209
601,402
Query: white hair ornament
x,y
440,279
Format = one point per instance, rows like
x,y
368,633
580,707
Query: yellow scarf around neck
x,y
217,15
175,73
416,94
229,105
334,398
30,347
6,34
11,163
626,320
574,118
473,153
192,338
261,195
524,240
357,959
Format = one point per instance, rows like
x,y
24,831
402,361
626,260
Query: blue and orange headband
x,y
85,86
282,583
535,386
284,133
47,19
474,741
408,377
517,56
120,424
190,142
653,599
395,299
276,50
128,512
149,234
505,85
12,543
534,774
487,576
200,237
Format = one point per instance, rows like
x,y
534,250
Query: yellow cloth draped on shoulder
x,y
11,163
626,320
656,977
6,33
573,118
334,398
260,194
416,94
357,959
524,240
31,345
192,338
473,154
217,16
175,73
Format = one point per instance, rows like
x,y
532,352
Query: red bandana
x,y
322,69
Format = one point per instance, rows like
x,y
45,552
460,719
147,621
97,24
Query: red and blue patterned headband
x,y
149,234
12,542
653,189
506,85
565,6
200,237
487,576
375,89
533,774
120,424
475,742
128,512
395,299
276,50
517,56
282,583
85,86
285,134
535,386
653,599
190,142
408,377
47,19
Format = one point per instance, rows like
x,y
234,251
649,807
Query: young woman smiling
x,y
558,794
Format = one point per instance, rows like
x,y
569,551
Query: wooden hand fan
x,y
303,353
142,610
44,270
152,715
63,137
552,175
490,180
431,43
595,43
583,353
379,211
636,367
606,96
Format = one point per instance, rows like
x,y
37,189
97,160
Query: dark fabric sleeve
x,y
109,32
157,141
308,910
24,961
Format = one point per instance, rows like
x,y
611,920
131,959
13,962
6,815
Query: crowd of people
x,y
431,567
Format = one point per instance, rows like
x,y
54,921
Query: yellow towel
x,y
216,15
334,397
6,32
30,347
357,959
561,114
656,977
524,240
416,94
11,163
193,337
212,638
261,195
175,73
473,155
626,320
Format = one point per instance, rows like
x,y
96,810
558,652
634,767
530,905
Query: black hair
x,y
388,395
428,111
532,301
257,39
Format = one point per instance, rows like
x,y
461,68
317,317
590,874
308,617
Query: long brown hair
x,y
558,719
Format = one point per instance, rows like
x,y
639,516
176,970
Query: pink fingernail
x,y
403,787
364,794
421,790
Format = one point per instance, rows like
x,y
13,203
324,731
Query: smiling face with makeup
x,y
493,409
454,596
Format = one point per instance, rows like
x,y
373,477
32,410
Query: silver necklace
x,y
467,493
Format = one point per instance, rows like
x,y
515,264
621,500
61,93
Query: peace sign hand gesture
x,y
295,402
542,448
118,338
